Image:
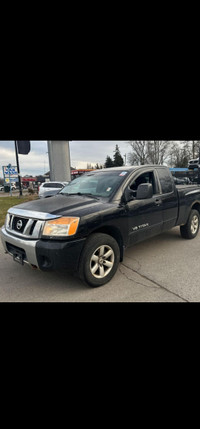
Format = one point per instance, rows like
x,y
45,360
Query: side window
x,y
147,177
165,180
58,185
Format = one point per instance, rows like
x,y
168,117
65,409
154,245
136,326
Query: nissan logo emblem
x,y
19,224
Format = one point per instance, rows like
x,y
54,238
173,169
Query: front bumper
x,y
11,242
44,254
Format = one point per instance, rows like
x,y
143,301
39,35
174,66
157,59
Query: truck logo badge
x,y
19,224
136,228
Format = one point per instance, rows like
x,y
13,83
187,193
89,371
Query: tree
x,y
195,148
148,152
89,166
180,153
118,160
158,151
98,166
139,154
108,162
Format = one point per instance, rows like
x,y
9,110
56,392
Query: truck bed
x,y
186,194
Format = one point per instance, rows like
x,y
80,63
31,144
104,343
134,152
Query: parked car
x,y
182,181
193,163
13,188
48,189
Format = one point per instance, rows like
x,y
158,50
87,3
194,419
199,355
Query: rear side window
x,y
58,185
53,185
165,180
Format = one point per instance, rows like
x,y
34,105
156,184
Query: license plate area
x,y
18,254
18,257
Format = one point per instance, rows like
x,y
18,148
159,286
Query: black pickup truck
x,y
89,224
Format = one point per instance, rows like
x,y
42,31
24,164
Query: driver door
x,y
144,216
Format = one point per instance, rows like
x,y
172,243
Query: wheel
x,y
100,259
191,228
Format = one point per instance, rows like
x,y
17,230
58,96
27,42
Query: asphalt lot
x,y
162,269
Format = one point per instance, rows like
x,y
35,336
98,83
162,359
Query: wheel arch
x,y
115,233
196,206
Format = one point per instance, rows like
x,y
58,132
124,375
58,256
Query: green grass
x,y
7,202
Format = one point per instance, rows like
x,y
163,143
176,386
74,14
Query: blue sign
x,y
10,171
10,174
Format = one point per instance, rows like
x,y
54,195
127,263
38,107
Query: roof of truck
x,y
128,168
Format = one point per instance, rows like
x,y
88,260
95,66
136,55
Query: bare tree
x,y
158,151
139,154
181,152
148,152
195,148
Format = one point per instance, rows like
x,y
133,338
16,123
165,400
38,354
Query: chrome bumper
x,y
29,246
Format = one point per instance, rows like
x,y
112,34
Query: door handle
x,y
158,202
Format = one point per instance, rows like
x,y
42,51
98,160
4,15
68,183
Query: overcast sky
x,y
81,152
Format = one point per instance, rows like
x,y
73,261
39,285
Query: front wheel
x,y
191,228
100,259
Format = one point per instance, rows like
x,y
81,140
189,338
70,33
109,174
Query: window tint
x,y
165,180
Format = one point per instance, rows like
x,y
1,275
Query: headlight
x,y
64,226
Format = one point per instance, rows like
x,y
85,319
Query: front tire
x,y
100,260
191,228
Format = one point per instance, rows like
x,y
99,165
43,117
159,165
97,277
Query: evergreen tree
x,y
118,160
109,162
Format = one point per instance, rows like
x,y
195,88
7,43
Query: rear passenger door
x,y
169,198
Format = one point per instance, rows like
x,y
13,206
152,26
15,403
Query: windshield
x,y
101,184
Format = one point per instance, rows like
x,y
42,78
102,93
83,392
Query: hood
x,y
75,205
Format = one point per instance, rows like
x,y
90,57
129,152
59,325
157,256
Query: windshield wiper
x,y
79,193
89,195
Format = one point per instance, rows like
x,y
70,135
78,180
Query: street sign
x,y
11,180
10,172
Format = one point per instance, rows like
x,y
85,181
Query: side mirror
x,y
144,191
129,195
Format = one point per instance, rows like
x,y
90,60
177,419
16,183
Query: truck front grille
x,y
19,224
24,227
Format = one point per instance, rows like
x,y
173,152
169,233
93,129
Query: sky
x,y
81,153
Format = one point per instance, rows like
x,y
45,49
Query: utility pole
x,y
59,161
9,167
193,148
18,170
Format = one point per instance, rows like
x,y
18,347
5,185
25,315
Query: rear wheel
x,y
191,228
100,259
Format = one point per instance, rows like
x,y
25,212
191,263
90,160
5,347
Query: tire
x,y
99,260
191,228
